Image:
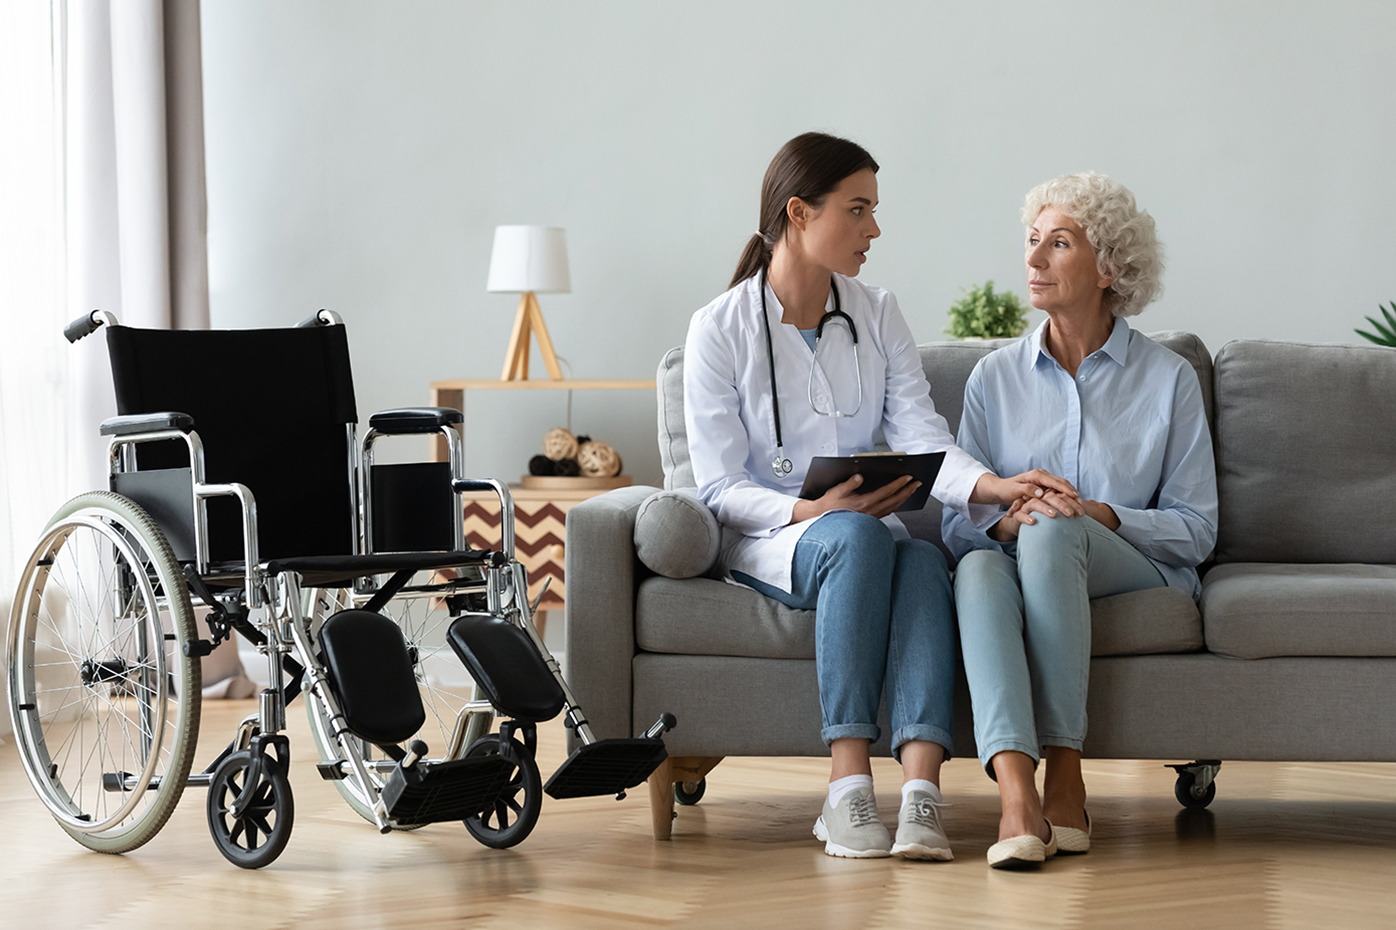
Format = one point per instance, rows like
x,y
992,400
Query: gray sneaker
x,y
852,829
919,833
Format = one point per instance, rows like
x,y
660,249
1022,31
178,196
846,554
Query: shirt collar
x,y
1116,347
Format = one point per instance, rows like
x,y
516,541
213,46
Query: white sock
x,y
920,784
841,786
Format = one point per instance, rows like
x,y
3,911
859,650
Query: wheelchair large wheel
x,y
104,703
444,685
513,816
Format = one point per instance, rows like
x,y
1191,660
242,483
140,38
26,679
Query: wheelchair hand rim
x,y
21,680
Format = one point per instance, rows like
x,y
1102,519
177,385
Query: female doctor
x,y
799,359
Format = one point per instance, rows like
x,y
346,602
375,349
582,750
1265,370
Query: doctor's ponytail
x,y
809,167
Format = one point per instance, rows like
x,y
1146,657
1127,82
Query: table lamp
x,y
529,260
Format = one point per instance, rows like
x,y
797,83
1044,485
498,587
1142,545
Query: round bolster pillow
x,y
676,535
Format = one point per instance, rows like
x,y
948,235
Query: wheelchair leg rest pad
x,y
442,791
608,766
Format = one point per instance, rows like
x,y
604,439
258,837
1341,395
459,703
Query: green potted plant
x,y
1388,332
984,313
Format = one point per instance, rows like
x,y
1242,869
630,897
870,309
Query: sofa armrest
x,y
601,577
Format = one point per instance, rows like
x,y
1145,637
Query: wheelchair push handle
x,y
320,318
87,324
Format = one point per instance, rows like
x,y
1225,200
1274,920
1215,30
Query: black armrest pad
x,y
147,423
414,419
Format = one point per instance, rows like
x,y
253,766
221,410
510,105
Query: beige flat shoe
x,y
1022,852
1071,841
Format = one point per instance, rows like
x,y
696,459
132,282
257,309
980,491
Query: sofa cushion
x,y
1262,610
676,535
700,616
1305,441
673,433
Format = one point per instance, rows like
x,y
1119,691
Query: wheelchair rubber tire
x,y
261,834
688,798
522,800
93,667
1183,790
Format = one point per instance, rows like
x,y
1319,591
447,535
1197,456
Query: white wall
x,y
361,153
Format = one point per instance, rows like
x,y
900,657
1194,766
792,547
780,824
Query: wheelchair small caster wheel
x,y
1186,791
690,792
257,836
513,816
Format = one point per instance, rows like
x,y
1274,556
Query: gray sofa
x,y
1291,654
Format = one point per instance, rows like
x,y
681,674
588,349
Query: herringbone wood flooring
x,y
1284,845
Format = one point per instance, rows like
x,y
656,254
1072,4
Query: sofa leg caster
x,y
1196,785
675,770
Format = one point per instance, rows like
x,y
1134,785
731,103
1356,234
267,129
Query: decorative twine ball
x,y
567,468
598,459
541,465
560,444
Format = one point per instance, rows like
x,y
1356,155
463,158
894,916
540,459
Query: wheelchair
x,y
240,491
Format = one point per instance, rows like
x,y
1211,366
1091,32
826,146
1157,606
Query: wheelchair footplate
x,y
435,792
608,766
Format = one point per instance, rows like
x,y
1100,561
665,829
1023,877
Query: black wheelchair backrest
x,y
271,407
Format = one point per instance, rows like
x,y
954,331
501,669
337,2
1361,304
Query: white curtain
x,y
102,206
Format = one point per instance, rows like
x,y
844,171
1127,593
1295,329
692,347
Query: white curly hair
x,y
1127,249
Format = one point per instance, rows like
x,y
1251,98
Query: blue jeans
x,y
883,616
1025,629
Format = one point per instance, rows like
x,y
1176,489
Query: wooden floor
x,y
1284,845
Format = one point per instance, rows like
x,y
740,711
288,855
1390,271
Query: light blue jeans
x,y
1025,630
883,616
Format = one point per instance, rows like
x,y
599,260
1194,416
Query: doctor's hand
x,y
991,489
845,496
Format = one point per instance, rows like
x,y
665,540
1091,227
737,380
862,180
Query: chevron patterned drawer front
x,y
540,534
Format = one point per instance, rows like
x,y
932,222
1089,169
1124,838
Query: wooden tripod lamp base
x,y
527,324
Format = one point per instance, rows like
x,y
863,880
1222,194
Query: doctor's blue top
x,y
1129,430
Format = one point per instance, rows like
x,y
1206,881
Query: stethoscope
x,y
780,464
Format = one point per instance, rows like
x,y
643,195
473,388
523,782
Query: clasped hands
x,y
1032,492
1039,492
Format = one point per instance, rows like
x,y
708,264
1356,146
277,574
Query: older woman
x,y
1119,416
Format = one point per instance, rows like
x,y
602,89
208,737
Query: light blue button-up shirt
x,y
1129,430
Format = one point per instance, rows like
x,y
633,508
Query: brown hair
x,y
809,166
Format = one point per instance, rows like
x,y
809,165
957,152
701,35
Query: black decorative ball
x,y
582,439
567,468
542,465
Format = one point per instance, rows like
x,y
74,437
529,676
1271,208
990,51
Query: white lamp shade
x,y
529,258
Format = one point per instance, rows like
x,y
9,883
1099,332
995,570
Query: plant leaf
x,y
1389,334
1391,320
1370,338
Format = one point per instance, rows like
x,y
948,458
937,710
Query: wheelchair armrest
x,y
147,423
406,420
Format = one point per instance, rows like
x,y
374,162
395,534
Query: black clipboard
x,y
877,468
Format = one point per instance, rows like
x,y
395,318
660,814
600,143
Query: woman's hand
x,y
1051,504
845,496
1038,483
1102,513
1022,512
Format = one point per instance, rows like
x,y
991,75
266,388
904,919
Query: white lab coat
x,y
731,429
